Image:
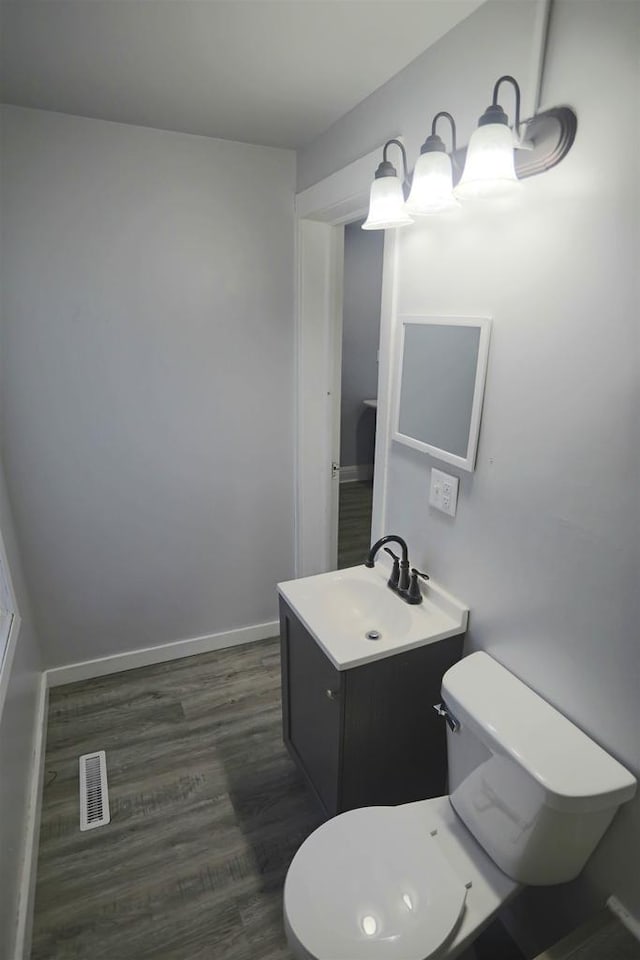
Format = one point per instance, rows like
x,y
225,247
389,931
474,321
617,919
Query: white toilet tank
x,y
534,790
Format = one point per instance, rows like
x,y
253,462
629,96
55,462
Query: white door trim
x,y
386,368
336,307
321,212
10,622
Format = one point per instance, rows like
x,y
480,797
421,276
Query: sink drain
x,y
373,634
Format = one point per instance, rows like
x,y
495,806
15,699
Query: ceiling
x,y
259,71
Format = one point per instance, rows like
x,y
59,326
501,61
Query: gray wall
x,y
545,546
360,336
147,379
16,741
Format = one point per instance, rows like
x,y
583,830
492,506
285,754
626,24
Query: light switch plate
x,y
443,492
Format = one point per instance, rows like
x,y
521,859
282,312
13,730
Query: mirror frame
x,y
484,325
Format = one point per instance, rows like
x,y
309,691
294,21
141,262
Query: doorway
x,y
361,296
321,214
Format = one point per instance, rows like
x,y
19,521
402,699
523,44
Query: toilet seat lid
x,y
368,885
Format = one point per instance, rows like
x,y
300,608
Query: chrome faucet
x,y
399,581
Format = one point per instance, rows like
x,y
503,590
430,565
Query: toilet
x,y
531,796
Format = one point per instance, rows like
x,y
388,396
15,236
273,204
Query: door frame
x,y
10,618
321,212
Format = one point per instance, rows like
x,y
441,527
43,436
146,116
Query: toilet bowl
x,y
399,883
531,796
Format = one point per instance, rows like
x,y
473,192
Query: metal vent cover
x,y
94,791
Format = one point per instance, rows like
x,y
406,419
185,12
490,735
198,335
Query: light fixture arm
x,y
386,168
512,80
443,113
398,143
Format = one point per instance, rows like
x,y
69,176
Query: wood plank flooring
x,y
354,523
602,937
207,812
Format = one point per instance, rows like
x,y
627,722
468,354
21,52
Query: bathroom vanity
x,y
358,715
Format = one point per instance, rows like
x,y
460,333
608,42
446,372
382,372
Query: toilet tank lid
x,y
575,773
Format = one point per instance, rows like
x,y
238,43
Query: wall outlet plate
x,y
443,492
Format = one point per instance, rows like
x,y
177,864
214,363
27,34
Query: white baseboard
x,y
145,656
626,917
359,471
26,897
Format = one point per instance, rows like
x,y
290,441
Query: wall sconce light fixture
x,y
432,186
497,159
489,170
387,206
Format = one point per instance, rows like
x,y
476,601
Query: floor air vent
x,y
94,793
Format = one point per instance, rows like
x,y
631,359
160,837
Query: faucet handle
x,y
393,580
414,594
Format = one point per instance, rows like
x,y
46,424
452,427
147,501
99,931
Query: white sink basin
x,y
357,606
340,608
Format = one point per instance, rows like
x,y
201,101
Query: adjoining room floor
x,y
602,937
354,523
207,811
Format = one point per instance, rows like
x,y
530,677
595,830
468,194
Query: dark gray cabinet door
x,y
313,718
369,734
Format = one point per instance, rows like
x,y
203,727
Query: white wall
x,y
545,547
360,335
147,379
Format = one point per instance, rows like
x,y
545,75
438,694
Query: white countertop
x,y
340,607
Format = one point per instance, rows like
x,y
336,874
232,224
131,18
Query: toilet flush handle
x,y
443,711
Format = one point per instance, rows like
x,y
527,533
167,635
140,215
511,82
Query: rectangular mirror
x,y
439,386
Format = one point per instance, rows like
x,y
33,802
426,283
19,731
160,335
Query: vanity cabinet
x,y
365,735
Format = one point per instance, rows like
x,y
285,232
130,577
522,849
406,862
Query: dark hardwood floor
x,y
354,523
207,812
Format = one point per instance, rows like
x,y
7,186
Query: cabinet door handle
x,y
332,694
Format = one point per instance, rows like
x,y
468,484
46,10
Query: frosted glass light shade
x,y
489,170
432,188
386,205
